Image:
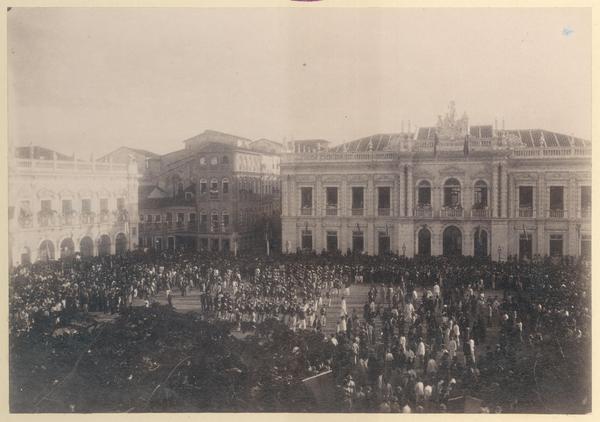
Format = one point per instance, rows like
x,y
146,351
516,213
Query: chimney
x,y
409,126
402,126
495,125
502,124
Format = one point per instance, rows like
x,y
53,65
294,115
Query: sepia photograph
x,y
299,209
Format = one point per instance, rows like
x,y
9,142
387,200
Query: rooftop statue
x,y
450,128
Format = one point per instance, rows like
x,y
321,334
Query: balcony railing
x,y
358,211
383,212
46,219
424,212
67,219
87,217
331,211
480,213
305,211
26,221
557,213
451,212
104,216
526,212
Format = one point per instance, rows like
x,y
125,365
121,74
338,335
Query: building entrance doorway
x,y
424,242
452,241
525,251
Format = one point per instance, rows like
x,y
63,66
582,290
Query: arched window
x,y
214,189
424,194
452,193
214,221
225,183
480,200
225,221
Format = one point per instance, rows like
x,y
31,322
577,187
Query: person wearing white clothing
x,y
452,347
343,311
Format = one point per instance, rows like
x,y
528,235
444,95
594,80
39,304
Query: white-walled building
x,y
59,206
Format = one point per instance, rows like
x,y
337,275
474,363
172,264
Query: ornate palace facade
x,y
60,206
450,189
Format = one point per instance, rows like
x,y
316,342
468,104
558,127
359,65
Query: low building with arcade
x,y
60,206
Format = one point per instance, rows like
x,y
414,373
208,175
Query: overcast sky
x,y
91,80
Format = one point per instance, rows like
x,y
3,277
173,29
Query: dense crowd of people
x,y
425,325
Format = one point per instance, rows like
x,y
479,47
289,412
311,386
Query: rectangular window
x,y
86,205
586,197
332,241
225,186
556,245
203,222
306,201
226,221
149,218
104,204
157,218
46,205
180,218
134,231
188,196
526,197
67,206
586,246
556,198
307,243
169,217
203,187
358,200
331,199
383,200
384,243
358,241
192,217
120,203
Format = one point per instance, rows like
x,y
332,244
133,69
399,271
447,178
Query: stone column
x,y
398,202
342,199
494,190
504,192
541,196
410,190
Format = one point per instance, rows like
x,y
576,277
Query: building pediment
x,y
452,171
305,178
66,193
46,193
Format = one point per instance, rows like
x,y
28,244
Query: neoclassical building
x,y
451,189
60,206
